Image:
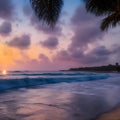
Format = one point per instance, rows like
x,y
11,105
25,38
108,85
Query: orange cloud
x,y
35,50
8,55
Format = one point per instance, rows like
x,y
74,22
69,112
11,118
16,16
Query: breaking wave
x,y
26,79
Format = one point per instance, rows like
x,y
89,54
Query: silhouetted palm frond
x,y
110,21
100,7
108,8
47,10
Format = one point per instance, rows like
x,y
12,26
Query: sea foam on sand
x,y
62,101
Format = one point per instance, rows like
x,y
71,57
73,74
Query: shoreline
x,y
87,100
113,114
72,105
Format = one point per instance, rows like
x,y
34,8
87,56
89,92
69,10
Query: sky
x,y
76,40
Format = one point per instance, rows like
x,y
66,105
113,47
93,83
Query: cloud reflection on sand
x,y
63,101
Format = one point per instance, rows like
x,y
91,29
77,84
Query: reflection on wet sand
x,y
50,104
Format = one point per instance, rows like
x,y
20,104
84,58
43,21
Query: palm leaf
x,y
108,8
100,7
110,21
47,10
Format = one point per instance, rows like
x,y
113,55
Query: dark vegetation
x,y
107,68
49,11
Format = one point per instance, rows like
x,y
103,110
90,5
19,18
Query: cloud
x,y
22,42
50,43
43,58
115,53
6,9
35,64
44,28
5,28
65,59
101,51
97,56
86,31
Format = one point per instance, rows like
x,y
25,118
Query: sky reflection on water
x,y
53,103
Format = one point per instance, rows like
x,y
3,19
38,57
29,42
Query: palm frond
x,y
110,21
108,8
100,7
47,10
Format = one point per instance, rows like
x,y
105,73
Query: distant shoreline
x,y
100,69
91,71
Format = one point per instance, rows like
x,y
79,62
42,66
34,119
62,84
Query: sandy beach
x,y
60,98
50,103
53,103
114,114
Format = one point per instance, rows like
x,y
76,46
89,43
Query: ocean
x,y
36,95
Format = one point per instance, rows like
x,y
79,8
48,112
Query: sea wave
x,y
28,80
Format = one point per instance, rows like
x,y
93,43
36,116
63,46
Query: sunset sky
x,y
76,40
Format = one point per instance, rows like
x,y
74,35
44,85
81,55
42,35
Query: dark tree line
x,y
108,68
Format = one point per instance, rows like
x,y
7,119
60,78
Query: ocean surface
x,y
26,95
19,79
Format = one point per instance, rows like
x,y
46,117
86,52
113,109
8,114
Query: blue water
x,y
18,79
57,95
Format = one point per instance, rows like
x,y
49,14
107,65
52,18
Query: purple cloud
x,y
43,57
86,29
50,43
97,56
44,28
101,51
6,9
116,53
22,42
5,28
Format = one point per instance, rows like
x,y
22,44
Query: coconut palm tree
x,y
110,9
47,10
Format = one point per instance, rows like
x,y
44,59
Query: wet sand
x,y
63,101
114,114
51,103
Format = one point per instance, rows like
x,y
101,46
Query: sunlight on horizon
x,y
4,72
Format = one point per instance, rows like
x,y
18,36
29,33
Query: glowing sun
x,y
4,72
